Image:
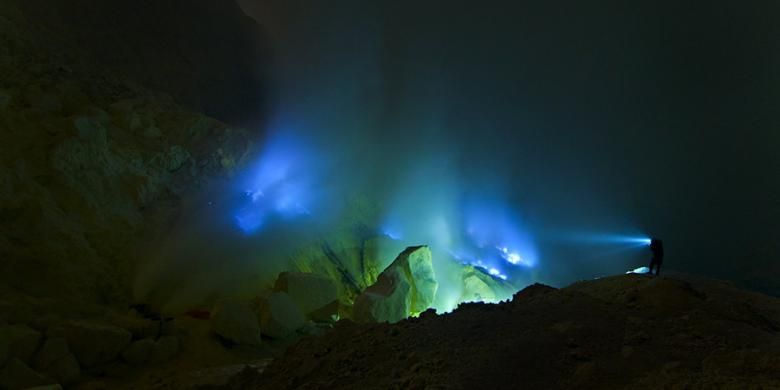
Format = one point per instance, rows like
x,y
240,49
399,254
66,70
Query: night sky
x,y
652,117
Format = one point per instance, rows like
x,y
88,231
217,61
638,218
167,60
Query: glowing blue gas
x,y
280,186
494,230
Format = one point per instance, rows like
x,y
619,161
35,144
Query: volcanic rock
x,y
65,370
139,352
315,295
92,343
17,375
479,286
165,348
622,332
21,341
279,315
53,349
341,258
408,286
237,323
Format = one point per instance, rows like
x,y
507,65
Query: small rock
x,y
91,343
17,375
139,352
165,349
53,349
237,323
22,341
65,370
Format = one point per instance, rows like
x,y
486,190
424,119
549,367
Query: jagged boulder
x,y
279,315
406,287
21,341
316,295
92,343
237,323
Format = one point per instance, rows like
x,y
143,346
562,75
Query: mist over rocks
x,y
148,242
315,295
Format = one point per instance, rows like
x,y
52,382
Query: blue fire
x,y
287,185
281,186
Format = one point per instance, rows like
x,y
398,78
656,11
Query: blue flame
x,y
495,231
280,186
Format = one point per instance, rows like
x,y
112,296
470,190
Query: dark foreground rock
x,y
627,331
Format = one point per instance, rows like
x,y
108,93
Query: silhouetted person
x,y
657,247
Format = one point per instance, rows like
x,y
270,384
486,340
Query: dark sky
x,y
659,116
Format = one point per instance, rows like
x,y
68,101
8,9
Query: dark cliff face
x,y
207,54
102,135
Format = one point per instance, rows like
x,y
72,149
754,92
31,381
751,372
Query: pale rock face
x,y
424,284
279,315
388,300
406,287
311,293
236,322
91,343
475,289
21,341
478,286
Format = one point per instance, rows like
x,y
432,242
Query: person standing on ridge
x,y
657,247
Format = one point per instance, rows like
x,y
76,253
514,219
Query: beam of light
x,y
608,239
